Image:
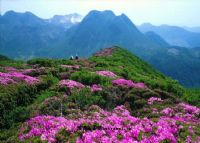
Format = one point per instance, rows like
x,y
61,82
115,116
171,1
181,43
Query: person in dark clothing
x,y
76,57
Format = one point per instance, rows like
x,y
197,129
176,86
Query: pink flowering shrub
x,y
123,82
151,100
96,87
14,77
27,71
106,73
189,108
10,69
182,114
46,127
168,111
71,84
139,85
128,83
155,111
116,126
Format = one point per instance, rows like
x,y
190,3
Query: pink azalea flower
x,y
151,100
106,73
115,126
71,84
14,77
96,87
128,83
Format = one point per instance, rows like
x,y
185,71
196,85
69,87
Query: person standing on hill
x,y
71,58
76,57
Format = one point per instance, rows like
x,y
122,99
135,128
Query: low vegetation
x,y
112,97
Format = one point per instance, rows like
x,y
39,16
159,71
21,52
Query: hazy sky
x,y
172,12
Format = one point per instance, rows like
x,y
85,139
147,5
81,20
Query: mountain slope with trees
x,y
24,36
174,35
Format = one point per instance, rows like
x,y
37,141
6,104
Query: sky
x,y
157,12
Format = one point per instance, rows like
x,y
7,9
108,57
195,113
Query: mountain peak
x,y
99,14
105,12
13,17
14,13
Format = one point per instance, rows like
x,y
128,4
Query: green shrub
x,y
41,62
192,96
84,98
139,104
20,95
52,106
149,93
49,62
89,78
64,136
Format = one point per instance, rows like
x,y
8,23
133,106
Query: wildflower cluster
x,y
96,87
128,83
15,77
71,84
116,126
106,73
151,100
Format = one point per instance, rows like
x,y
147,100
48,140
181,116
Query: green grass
x,y
192,96
125,64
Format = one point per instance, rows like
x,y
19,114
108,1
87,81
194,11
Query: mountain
x,y
192,29
179,63
66,20
173,35
112,96
156,39
25,36
104,29
3,58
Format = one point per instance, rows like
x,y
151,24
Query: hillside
x,y
113,96
156,38
25,36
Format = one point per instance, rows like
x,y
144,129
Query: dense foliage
x,y
111,97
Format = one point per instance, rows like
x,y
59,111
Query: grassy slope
x,y
131,67
123,63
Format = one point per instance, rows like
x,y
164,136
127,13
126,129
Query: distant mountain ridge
x,y
156,38
104,29
66,20
24,39
174,35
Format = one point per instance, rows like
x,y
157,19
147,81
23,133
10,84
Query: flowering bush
x,y
139,85
168,111
14,77
103,126
10,69
106,73
27,71
123,82
153,99
190,109
96,87
71,84
128,83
